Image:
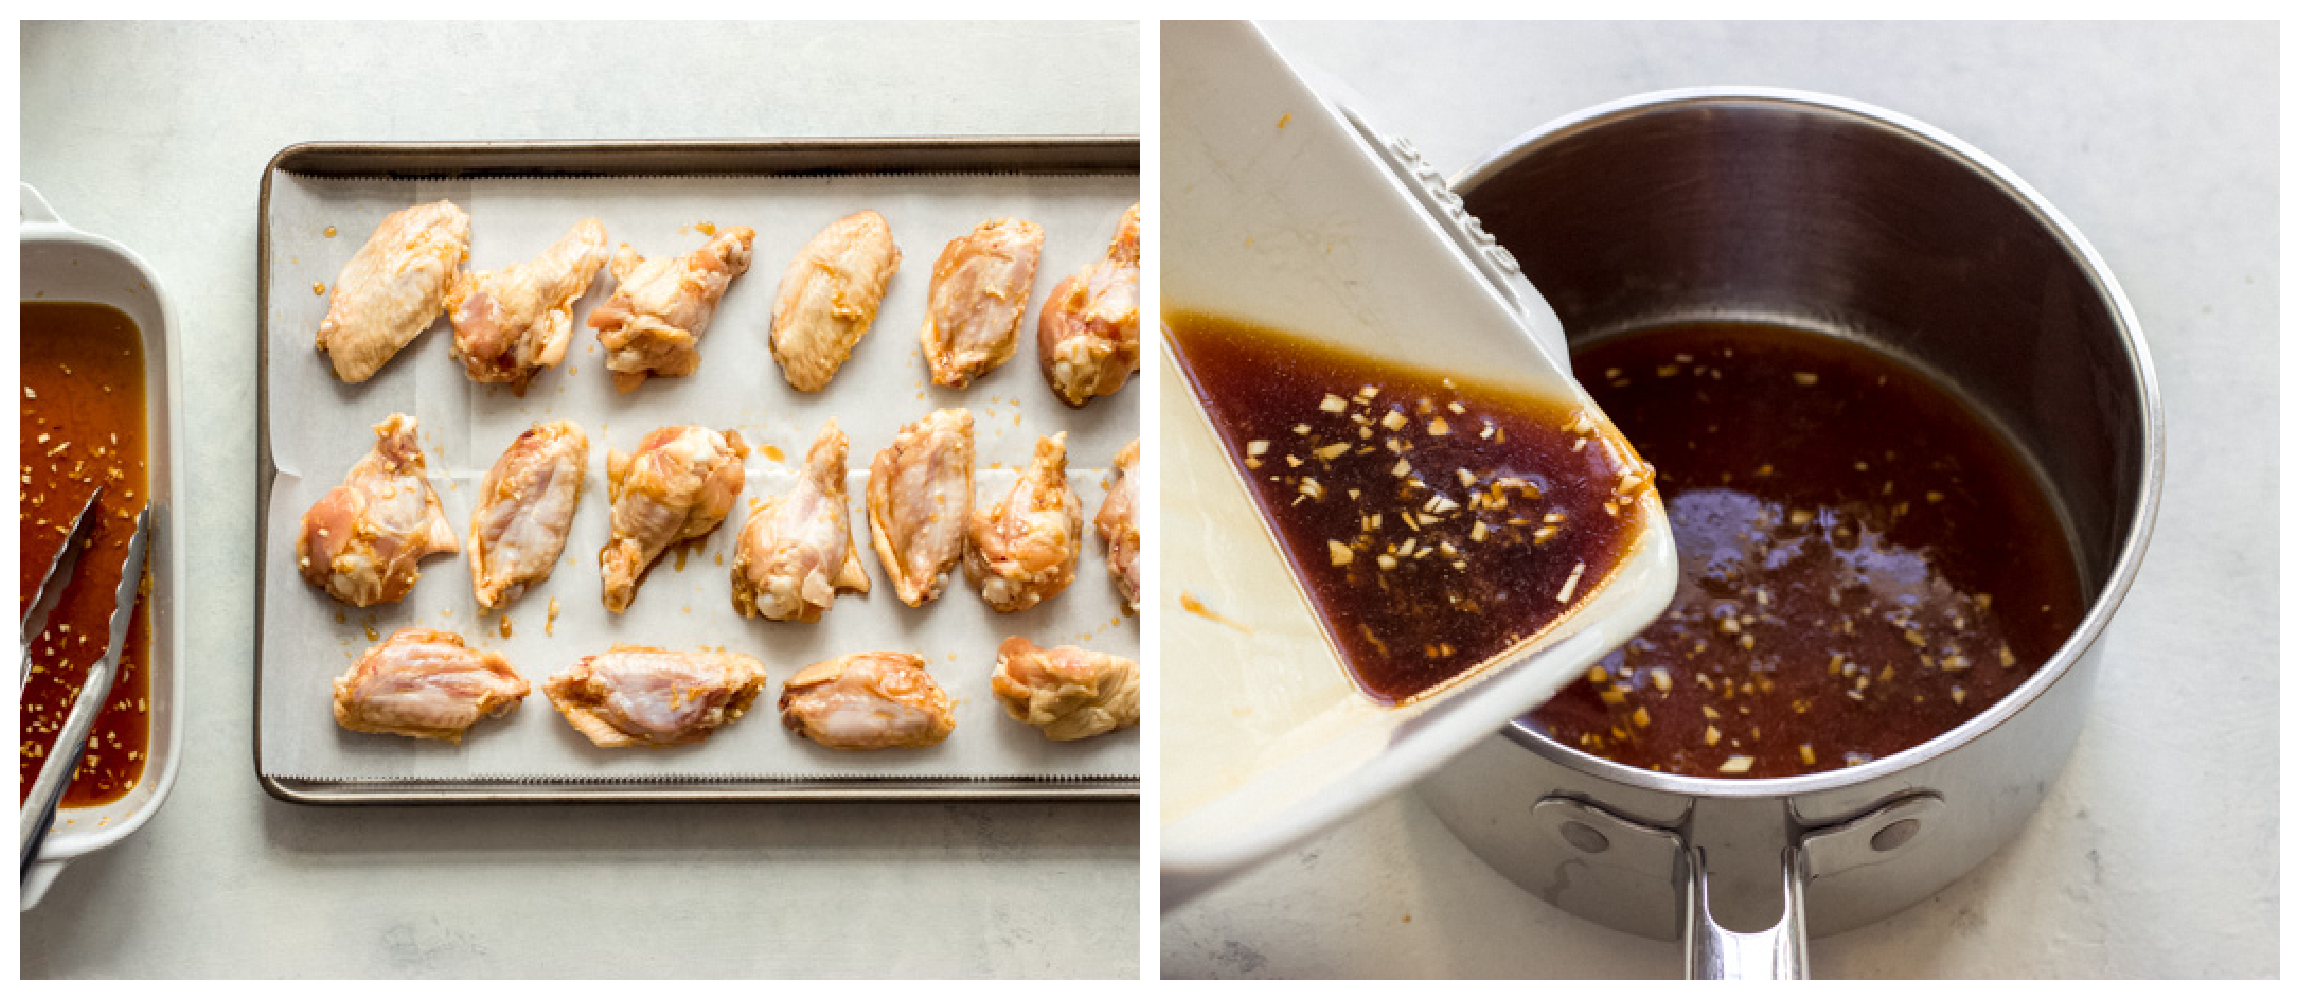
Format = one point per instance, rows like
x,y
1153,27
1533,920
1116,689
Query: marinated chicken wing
x,y
829,297
974,305
1116,523
634,696
921,496
526,504
868,701
1090,330
425,683
1024,549
662,304
393,287
511,324
678,485
1067,692
796,552
362,540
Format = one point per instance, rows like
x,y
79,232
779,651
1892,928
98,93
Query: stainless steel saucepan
x,y
1825,214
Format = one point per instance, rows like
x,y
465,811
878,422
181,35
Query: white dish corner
x,y
1282,208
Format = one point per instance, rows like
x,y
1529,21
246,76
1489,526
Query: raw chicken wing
x,y
868,701
829,297
393,287
362,540
1116,523
646,696
662,304
1090,330
1024,549
921,495
1068,692
425,683
678,485
974,305
511,324
796,552
526,504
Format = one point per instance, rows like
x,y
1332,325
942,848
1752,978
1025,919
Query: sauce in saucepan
x,y
1863,564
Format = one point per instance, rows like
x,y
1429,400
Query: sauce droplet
x,y
1193,605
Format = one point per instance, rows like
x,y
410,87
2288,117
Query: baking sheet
x,y
319,426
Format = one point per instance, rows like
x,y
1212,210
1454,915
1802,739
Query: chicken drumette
x,y
868,701
1118,527
1067,692
921,496
975,301
425,683
662,304
525,506
678,485
511,324
1024,548
645,696
829,296
393,287
362,540
1090,330
796,552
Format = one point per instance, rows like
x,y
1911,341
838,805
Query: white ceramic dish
x,y
63,264
1282,208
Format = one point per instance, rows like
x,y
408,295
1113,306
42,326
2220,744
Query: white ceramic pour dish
x,y
1281,209
63,264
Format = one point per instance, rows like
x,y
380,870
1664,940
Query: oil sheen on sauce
x,y
1433,521
81,423
1863,564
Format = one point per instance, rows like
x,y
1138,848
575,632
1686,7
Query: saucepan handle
x,y
1777,952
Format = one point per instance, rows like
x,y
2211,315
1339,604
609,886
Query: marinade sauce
x,y
80,424
1863,564
1434,521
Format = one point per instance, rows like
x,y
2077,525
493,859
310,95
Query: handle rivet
x,y
1894,836
1583,837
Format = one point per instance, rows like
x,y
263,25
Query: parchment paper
x,y
319,427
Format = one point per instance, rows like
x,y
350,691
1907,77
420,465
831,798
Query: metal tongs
x,y
39,810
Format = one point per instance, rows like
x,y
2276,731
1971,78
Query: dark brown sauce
x,y
81,423
1435,522
1863,564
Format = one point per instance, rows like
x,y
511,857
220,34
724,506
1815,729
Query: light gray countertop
x,y
2156,852
157,135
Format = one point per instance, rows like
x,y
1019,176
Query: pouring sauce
x,y
1863,564
80,424
1435,522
